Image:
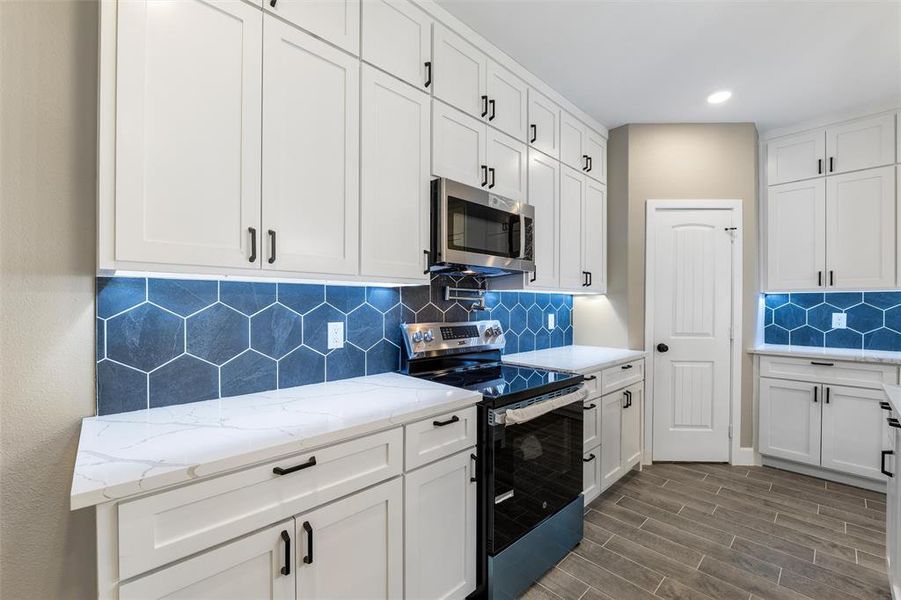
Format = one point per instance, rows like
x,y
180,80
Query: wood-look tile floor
x,y
716,532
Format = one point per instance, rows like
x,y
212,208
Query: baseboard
x,y
861,482
747,457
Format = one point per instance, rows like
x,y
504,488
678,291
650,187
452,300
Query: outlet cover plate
x,y
551,321
839,320
335,335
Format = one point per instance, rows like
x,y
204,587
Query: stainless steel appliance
x,y
474,230
529,449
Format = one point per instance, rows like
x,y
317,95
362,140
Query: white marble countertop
x,y
132,453
582,359
855,355
894,395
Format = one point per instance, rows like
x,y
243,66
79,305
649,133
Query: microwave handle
x,y
522,237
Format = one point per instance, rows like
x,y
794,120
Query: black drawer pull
x,y
308,559
294,469
589,406
822,364
590,458
253,244
882,463
453,419
590,378
271,246
624,367
893,422
885,406
286,570
475,465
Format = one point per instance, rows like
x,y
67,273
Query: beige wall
x,y
673,161
48,79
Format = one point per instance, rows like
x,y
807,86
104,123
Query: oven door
x,y
536,469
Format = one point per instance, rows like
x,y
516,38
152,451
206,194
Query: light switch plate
x,y
551,321
335,335
839,320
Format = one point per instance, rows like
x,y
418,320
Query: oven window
x,y
540,461
481,229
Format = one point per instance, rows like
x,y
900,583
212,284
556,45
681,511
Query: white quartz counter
x,y
870,356
131,453
582,359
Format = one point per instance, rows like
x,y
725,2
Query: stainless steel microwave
x,y
473,230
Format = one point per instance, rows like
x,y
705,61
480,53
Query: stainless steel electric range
x,y
529,450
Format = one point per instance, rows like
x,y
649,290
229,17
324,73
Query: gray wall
x,y
48,80
672,161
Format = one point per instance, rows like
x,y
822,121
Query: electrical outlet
x,y
335,335
551,321
839,320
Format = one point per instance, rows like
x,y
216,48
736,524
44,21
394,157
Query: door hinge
x,y
730,432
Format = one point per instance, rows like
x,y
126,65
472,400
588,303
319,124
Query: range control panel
x,y
431,339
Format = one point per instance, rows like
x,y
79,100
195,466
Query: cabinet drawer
x,y
593,385
620,376
437,437
164,527
828,371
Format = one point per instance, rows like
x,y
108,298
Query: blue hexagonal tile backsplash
x,y
805,319
168,341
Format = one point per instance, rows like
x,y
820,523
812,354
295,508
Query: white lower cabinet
x,y
440,529
852,437
591,475
893,507
790,420
620,432
591,424
631,437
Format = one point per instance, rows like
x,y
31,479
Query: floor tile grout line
x,y
659,584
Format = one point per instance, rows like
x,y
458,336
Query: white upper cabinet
x,y
796,236
397,37
573,142
459,72
572,202
458,146
394,178
594,236
596,149
506,159
310,154
861,144
544,195
187,143
507,101
335,21
796,157
860,229
544,124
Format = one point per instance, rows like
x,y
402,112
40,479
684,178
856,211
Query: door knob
x,y
662,347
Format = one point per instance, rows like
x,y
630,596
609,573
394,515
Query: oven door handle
x,y
515,416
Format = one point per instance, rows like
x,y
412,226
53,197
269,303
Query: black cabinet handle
x,y
271,246
590,458
629,399
484,175
590,378
534,275
831,277
885,406
428,73
624,367
584,278
428,261
475,465
253,244
491,185
295,468
893,422
625,399
822,364
816,390
585,156
827,394
308,559
534,128
286,570
453,419
272,3
590,164
831,164
819,278
882,463
819,166
589,406
662,347
484,105
590,278
491,105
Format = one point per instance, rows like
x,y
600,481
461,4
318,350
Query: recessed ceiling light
x,y
719,97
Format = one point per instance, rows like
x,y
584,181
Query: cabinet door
x,y
790,420
395,178
459,73
796,236
860,229
353,547
506,159
861,144
397,37
611,438
458,146
188,132
544,124
852,430
796,157
440,529
310,154
632,426
544,195
251,567
591,424
335,21
508,101
572,200
596,149
591,475
594,236
573,143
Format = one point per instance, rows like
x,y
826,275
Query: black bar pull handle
x,y
453,419
589,406
271,246
286,570
475,465
827,394
590,378
491,105
819,166
534,275
253,244
534,128
428,261
484,175
585,156
590,164
272,3
590,278
625,399
831,277
893,422
882,463
428,73
484,105
624,367
819,278
590,458
816,390
885,406
308,559
584,278
831,164
491,172
295,468
822,364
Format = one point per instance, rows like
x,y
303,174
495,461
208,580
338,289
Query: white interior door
x,y
692,316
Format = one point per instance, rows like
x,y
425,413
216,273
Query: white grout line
x,y
814,556
734,537
780,576
659,584
856,556
776,516
698,566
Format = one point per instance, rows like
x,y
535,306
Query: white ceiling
x,y
641,61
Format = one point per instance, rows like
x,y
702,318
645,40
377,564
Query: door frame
x,y
652,209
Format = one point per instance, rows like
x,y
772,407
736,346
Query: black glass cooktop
x,y
504,384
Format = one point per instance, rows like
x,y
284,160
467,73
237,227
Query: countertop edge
x,y
893,392
604,364
864,356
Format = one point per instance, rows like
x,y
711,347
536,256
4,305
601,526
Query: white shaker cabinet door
x,y
796,157
440,529
395,178
188,132
353,548
506,158
631,436
594,236
336,21
796,236
573,142
591,475
591,424
397,37
611,437
790,420
507,101
310,154
861,144
458,146
544,124
544,196
251,567
459,73
853,430
572,202
860,229
596,149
